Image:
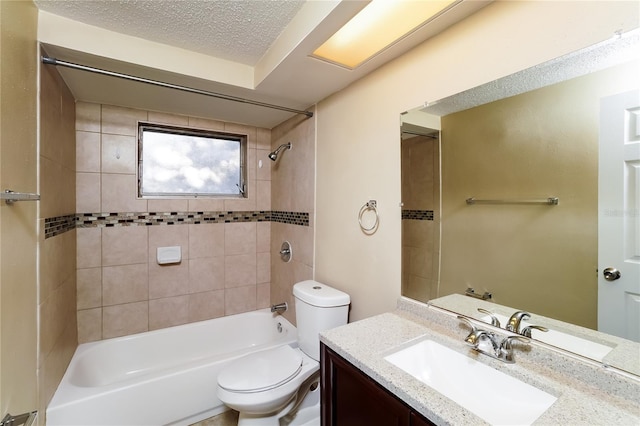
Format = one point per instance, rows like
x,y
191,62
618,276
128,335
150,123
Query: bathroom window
x,y
183,162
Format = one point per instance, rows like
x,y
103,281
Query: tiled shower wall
x,y
293,189
57,259
225,266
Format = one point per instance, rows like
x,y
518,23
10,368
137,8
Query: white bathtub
x,y
162,377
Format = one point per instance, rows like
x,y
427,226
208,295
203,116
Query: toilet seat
x,y
261,371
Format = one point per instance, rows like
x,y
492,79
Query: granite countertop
x,y
587,393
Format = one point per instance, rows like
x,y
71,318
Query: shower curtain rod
x,y
420,134
53,61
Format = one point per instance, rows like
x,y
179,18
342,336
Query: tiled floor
x,y
228,418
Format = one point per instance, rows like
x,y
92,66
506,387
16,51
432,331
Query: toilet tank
x,y
318,308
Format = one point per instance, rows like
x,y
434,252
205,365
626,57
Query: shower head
x,y
274,155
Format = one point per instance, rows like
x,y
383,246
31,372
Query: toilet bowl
x,y
268,385
264,382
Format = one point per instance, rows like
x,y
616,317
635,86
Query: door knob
x,y
611,274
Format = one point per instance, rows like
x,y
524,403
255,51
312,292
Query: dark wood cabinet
x,y
419,420
351,398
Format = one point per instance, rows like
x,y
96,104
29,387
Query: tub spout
x,y
279,308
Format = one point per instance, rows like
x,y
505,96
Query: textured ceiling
x,y
236,30
253,49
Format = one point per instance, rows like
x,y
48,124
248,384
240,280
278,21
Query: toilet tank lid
x,y
318,294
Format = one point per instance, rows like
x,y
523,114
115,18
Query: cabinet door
x,y
351,398
418,420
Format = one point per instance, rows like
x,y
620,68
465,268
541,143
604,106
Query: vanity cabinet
x,y
351,398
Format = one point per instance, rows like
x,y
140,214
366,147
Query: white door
x,y
619,216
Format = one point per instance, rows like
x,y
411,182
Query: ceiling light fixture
x,y
379,25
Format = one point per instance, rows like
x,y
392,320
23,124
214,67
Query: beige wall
x,y
543,143
57,270
292,191
358,155
18,222
121,288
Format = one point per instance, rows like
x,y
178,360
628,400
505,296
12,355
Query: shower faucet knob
x,y
286,251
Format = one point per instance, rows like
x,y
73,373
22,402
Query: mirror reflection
x,y
534,145
420,168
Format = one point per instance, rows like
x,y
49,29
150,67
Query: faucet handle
x,y
526,332
473,337
506,348
494,320
513,324
476,335
506,342
468,322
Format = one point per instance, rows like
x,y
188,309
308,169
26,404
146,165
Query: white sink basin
x,y
495,397
577,345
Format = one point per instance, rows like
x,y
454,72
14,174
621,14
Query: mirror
x,y
525,137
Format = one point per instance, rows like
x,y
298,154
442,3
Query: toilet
x,y
268,385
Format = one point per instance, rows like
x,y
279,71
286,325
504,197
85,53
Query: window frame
x,y
197,132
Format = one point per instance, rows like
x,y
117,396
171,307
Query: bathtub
x,y
162,377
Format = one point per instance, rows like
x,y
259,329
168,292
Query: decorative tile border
x,y
293,218
109,220
417,214
58,225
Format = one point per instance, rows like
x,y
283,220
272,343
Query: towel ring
x,y
369,205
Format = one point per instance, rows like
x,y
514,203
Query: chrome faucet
x,y
279,308
513,324
498,349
